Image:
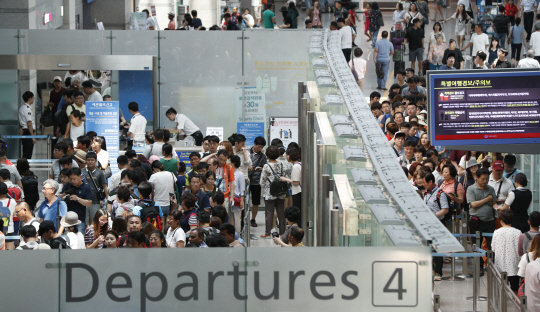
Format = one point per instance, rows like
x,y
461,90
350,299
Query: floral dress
x,y
437,52
373,17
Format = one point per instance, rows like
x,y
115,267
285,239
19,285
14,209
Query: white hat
x,y
171,13
57,78
422,122
70,219
423,112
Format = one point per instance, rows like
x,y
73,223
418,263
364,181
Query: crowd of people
x,y
154,200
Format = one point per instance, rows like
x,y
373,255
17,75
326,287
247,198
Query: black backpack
x,y
47,119
453,206
150,213
277,187
63,119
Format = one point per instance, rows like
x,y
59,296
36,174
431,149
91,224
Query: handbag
x,y
380,20
511,37
355,74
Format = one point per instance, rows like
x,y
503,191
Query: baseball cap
x,y
45,226
400,134
57,78
498,165
283,9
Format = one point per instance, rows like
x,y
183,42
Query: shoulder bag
x,y
380,20
99,191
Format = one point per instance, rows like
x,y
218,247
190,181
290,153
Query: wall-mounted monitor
x,y
488,110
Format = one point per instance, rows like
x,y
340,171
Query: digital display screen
x,y
484,108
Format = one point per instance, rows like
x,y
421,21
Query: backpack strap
x,y
528,235
500,186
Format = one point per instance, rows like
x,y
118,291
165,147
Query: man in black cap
x,y
48,232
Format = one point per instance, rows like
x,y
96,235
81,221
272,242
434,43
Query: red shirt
x,y
353,17
511,10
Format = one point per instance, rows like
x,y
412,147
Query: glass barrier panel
x,y
9,40
135,42
341,279
64,42
30,280
273,68
199,81
135,279
9,99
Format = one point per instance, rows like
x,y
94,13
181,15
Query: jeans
x,y
308,4
528,19
381,83
374,37
516,51
501,37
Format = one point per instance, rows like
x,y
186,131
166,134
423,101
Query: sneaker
x,y
437,277
253,223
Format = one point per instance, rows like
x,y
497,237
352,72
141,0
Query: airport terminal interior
x,y
409,174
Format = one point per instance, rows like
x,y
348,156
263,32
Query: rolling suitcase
x,y
425,67
399,64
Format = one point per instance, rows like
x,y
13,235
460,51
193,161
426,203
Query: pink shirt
x,y
172,25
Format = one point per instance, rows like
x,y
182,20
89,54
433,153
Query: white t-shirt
x,y
255,3
114,181
138,127
103,157
296,175
359,65
249,19
346,37
479,43
156,149
185,124
523,263
35,223
535,43
75,132
150,22
164,183
11,207
174,236
95,97
506,187
76,240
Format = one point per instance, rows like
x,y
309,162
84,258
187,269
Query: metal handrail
x,y
499,292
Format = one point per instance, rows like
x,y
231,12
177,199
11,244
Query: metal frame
x,y
67,62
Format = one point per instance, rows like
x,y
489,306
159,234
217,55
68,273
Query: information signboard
x,y
102,117
484,107
250,130
283,128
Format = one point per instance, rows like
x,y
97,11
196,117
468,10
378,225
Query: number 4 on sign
x,y
399,289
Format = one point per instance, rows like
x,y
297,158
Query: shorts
x,y
255,191
257,12
416,55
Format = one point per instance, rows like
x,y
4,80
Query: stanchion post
x,y
490,256
49,146
334,236
523,303
502,297
247,225
436,303
464,242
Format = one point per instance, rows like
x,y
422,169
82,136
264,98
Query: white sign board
x,y
218,131
283,128
138,21
374,279
100,26
252,104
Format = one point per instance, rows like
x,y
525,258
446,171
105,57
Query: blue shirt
x,y
444,67
137,209
516,31
47,212
384,47
512,174
61,104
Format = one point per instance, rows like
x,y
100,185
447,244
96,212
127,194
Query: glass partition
x,y
135,42
9,40
64,42
199,81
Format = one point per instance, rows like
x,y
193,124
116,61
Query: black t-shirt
x,y
503,64
288,21
415,36
231,25
83,191
501,23
58,243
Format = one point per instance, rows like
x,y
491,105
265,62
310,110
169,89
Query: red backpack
x,y
15,193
